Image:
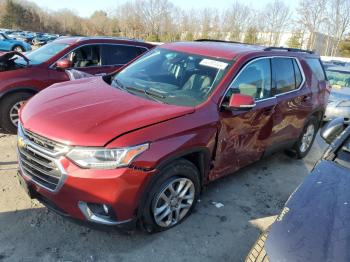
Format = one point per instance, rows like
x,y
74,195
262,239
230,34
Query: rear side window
x,y
297,73
283,69
316,68
120,54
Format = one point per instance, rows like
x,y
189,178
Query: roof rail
x,y
220,41
287,49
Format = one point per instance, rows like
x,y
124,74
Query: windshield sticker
x,y
214,64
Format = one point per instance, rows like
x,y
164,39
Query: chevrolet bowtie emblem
x,y
21,143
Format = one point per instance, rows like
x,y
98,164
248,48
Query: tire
x,y
298,148
7,107
180,171
258,252
18,48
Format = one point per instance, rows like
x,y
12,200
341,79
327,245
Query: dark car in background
x,y
314,223
339,100
22,77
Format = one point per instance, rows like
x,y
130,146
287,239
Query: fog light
x,y
101,210
100,213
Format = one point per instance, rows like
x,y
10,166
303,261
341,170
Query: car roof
x,y
220,50
229,50
75,39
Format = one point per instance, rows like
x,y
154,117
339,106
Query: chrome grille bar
x,y
39,160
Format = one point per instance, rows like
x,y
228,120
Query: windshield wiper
x,y
152,94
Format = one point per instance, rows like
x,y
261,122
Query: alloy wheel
x,y
14,116
174,202
18,49
307,138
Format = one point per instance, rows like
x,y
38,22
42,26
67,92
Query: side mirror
x,y
332,129
63,64
241,102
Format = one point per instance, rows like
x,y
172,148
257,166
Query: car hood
x,y
340,94
89,112
314,224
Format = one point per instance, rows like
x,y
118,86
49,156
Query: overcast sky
x,y
87,7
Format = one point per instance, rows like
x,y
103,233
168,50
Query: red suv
x,y
139,145
22,77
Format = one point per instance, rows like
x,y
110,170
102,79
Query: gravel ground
x,y
29,232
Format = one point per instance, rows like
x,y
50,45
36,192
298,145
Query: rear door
x,y
294,100
114,56
244,135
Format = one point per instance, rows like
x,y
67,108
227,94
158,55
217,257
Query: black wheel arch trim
x,y
10,91
204,163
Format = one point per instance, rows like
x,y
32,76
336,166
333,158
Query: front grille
x,y
47,144
38,159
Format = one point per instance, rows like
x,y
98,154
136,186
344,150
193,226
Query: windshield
x,y
172,77
338,79
43,53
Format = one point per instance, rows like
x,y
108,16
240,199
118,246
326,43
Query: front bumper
x,y
121,189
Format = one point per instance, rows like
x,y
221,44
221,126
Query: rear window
x,y
283,69
316,68
120,54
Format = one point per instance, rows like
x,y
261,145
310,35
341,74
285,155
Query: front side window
x,y
283,69
120,54
254,80
172,77
85,56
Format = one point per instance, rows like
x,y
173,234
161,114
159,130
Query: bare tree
x,y
312,14
276,16
339,21
237,20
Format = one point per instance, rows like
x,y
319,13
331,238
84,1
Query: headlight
x,y
103,158
344,104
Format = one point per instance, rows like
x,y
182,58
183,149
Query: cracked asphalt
x,y
250,199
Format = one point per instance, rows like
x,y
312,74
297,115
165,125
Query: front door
x,y
244,135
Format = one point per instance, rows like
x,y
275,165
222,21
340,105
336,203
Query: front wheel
x,y
9,110
172,197
306,139
18,48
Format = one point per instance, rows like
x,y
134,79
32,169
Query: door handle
x,y
305,98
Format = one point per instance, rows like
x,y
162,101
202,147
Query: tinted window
x,y
338,78
119,54
316,68
284,74
298,76
254,80
85,56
